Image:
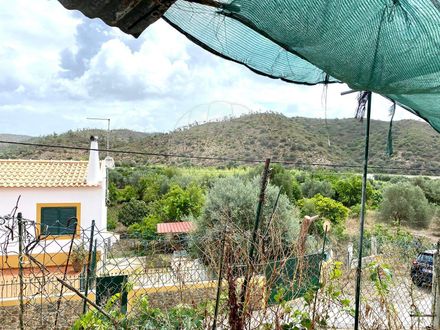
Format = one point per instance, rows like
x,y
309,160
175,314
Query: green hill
x,y
258,136
13,138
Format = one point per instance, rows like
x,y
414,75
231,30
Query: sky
x,y
58,67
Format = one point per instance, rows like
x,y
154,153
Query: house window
x,y
58,219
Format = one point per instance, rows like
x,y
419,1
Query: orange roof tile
x,y
43,173
174,227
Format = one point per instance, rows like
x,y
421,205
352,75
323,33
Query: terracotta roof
x,y
174,227
43,173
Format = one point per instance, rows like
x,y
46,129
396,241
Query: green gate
x,y
108,286
287,283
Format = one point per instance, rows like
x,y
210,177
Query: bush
x,y
111,223
325,207
147,228
112,194
349,190
151,187
431,188
288,185
406,204
132,212
355,211
179,202
313,187
127,194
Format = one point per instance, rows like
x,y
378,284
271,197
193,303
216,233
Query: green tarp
x,y
391,47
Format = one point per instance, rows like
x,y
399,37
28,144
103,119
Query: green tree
x,y
231,204
325,207
349,190
406,204
132,212
286,182
147,228
313,187
179,202
431,188
113,193
151,187
127,193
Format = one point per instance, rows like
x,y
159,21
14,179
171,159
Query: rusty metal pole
x,y
253,244
20,267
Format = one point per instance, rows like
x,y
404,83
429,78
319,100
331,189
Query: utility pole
x,y
108,130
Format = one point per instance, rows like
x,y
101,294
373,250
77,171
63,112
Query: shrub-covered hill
x,y
258,136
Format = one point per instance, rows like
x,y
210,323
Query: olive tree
x,y
229,213
226,224
406,204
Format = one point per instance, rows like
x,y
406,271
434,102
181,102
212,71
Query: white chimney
x,y
94,174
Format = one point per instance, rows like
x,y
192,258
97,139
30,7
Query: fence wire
x,y
95,279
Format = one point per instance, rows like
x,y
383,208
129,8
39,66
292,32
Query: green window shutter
x,y
67,213
54,220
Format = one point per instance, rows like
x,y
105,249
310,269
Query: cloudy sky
x,y
58,67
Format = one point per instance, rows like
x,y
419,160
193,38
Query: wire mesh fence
x,y
94,279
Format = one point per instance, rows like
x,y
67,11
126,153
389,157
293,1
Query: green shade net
x,y
391,47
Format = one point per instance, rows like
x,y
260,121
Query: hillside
x,y
13,138
258,136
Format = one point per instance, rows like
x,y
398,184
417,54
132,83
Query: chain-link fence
x,y
96,279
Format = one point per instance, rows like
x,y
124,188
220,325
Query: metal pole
x,y
362,219
219,283
89,259
20,266
108,136
254,236
436,289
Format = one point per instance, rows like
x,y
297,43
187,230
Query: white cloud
x,y
57,68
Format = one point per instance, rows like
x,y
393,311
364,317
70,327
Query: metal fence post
x,y
20,267
436,289
89,260
362,218
253,243
219,281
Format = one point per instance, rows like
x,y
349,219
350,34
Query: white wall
x,y
92,200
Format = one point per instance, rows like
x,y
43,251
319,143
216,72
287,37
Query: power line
x,y
229,159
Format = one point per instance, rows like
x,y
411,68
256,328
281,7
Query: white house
x,y
52,194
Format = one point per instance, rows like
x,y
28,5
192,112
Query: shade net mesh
x,y
390,47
